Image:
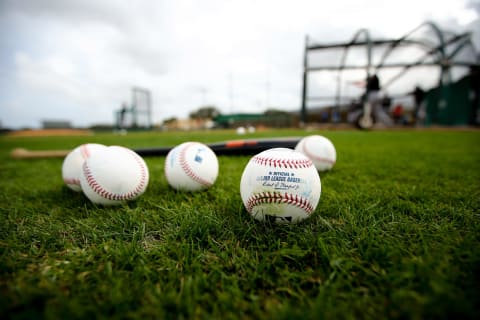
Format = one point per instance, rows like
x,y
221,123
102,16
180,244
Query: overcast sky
x,y
77,60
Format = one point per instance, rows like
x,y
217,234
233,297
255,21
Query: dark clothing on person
x,y
122,113
419,95
373,84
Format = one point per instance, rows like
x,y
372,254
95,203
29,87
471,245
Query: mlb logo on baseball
x,y
191,166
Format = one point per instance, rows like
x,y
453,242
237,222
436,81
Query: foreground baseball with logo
x,y
191,166
280,185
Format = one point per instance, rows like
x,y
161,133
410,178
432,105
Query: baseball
x,y
191,166
241,130
280,185
72,164
318,149
114,175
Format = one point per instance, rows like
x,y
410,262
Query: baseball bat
x,y
230,147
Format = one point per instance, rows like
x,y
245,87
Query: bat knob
x,y
19,153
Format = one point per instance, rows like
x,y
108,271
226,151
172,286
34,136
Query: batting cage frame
x,y
443,53
137,115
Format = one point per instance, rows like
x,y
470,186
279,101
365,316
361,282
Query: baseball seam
x,y
71,181
283,163
275,197
187,169
312,156
84,151
98,189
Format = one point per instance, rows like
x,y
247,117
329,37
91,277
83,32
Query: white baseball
x,y
280,185
320,150
72,164
241,130
191,166
114,175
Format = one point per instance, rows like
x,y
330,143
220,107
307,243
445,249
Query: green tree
x,y
206,112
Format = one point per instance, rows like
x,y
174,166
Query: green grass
x,y
396,235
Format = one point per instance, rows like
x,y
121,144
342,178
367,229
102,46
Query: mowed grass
x,y
396,235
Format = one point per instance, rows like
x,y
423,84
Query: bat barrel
x,y
233,147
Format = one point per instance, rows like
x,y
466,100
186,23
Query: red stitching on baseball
x,y
312,156
98,189
276,197
84,150
71,181
283,163
186,167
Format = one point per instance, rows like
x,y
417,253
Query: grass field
x,y
396,235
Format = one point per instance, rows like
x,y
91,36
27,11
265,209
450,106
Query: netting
x,y
141,108
334,74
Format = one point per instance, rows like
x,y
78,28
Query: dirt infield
x,y
50,132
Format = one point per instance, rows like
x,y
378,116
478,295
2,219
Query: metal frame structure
x,y
136,91
441,57
135,111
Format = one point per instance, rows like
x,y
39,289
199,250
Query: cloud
x,y
71,12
